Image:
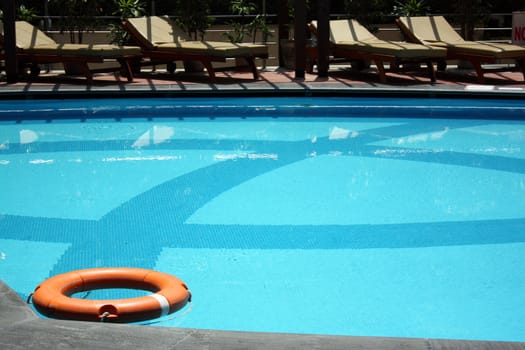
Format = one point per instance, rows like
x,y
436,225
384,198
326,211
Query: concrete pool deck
x,y
21,328
273,81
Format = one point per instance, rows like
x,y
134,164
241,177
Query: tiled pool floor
x,y
21,329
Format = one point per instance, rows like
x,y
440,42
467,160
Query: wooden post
x,y
323,37
283,19
300,38
11,65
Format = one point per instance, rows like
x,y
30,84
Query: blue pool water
x,y
377,217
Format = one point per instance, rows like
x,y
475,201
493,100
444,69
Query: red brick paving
x,y
276,76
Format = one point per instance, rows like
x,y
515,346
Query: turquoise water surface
x,y
376,217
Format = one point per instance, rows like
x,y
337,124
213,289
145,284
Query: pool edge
x,y
292,89
21,328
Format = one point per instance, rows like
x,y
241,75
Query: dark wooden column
x,y
300,38
323,37
283,19
11,65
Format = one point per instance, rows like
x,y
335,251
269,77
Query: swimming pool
x,y
352,216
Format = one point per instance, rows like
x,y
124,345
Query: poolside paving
x,y
21,328
340,80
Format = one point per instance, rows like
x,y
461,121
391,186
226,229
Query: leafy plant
x,y
27,14
192,16
23,13
249,22
76,16
410,8
125,9
471,13
366,12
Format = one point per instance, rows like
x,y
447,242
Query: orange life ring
x,y
52,297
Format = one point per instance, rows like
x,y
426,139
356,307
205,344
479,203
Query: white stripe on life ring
x,y
164,304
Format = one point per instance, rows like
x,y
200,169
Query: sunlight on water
x,y
325,216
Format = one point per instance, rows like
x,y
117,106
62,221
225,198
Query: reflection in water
x,y
423,137
28,136
42,161
157,135
338,133
142,158
235,156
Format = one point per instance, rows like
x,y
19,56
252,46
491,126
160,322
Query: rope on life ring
x,y
52,297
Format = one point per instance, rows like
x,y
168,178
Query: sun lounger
x,y
437,32
35,47
161,39
350,40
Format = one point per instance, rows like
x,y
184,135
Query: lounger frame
x,y
339,52
379,60
477,60
31,58
168,56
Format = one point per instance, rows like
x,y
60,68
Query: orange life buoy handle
x,y
52,297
